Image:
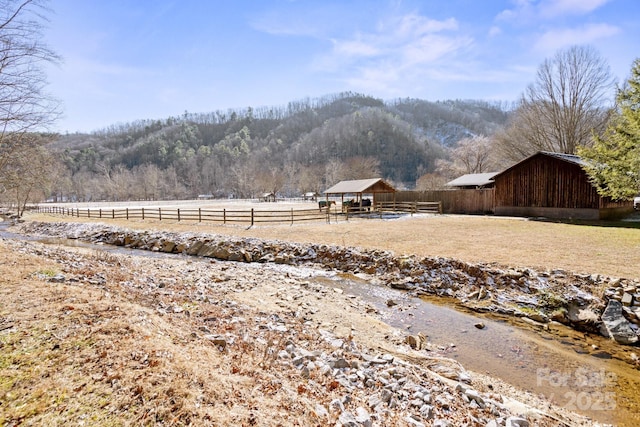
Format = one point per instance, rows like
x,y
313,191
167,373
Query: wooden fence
x,y
411,207
222,216
481,201
247,216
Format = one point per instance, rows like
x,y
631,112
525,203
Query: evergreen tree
x,y
613,163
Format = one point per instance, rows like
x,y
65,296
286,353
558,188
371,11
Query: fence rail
x,y
223,216
411,207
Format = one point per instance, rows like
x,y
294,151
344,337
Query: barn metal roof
x,y
373,185
473,180
571,158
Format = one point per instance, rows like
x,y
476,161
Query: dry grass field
x,y
597,248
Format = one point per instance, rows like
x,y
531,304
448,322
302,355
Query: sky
x,y
128,60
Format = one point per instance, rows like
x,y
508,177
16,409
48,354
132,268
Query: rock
x,y
615,326
416,342
405,286
168,246
362,417
391,303
347,419
413,422
516,422
582,317
217,340
480,325
58,278
236,256
321,411
627,299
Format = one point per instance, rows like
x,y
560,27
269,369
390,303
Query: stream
x,y
552,362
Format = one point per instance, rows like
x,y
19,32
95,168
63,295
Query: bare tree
x,y
562,109
27,173
363,167
473,154
430,181
25,107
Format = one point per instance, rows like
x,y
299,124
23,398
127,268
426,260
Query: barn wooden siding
x,y
453,201
549,186
544,181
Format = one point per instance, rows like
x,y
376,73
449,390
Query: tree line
x,y
308,146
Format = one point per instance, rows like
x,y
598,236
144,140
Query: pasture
x,y
611,249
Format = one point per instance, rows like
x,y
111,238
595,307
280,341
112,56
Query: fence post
x,y
199,214
126,212
159,214
100,213
178,214
142,213
291,216
224,216
252,217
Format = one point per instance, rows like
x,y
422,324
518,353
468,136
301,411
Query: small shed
x,y
473,181
552,185
268,197
310,195
358,188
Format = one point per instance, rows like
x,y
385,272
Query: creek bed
x,y
569,368
555,363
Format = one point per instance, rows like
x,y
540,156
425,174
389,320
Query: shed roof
x,y
473,180
373,185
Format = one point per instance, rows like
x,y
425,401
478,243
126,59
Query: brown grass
x,y
589,249
102,354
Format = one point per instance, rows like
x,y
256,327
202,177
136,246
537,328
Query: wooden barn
x,y
552,185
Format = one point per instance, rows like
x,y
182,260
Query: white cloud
x,y
559,38
495,31
531,10
552,8
405,41
355,48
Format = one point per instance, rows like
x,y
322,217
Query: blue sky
x,y
125,60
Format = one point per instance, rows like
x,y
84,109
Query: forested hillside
x,y
305,146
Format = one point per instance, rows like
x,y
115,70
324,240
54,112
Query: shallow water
x,y
560,364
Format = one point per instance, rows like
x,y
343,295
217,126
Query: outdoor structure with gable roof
x,y
358,188
552,185
473,180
